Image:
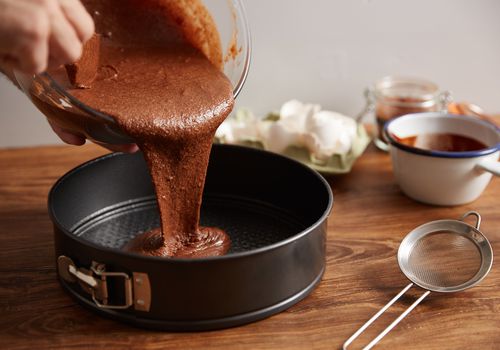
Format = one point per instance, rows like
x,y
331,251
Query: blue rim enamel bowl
x,y
438,177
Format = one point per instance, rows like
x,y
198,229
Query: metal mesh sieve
x,y
440,256
444,259
446,255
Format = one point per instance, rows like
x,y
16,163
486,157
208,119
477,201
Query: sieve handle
x,y
379,313
473,213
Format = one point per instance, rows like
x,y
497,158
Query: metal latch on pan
x,y
136,288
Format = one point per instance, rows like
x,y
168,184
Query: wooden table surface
x,y
369,219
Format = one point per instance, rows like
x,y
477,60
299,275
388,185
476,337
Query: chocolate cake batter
x,y
163,85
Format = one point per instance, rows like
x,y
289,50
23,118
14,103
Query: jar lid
x,y
406,90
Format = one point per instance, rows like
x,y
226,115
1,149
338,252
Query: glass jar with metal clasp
x,y
394,96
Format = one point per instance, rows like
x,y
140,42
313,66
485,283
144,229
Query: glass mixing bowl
x,y
52,99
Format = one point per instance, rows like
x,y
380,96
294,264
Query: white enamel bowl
x,y
443,178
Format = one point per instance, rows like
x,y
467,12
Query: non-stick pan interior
x,y
257,197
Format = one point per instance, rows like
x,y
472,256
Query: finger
x,y
65,45
80,19
24,32
67,136
125,148
9,63
34,57
7,66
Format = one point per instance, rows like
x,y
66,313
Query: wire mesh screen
x,y
444,259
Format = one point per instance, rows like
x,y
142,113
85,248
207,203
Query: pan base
x,y
250,224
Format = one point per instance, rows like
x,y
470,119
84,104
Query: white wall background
x,y
328,51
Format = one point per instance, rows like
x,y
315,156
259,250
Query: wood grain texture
x,y
369,219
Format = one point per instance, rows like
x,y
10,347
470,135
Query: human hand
x,y
78,140
40,34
